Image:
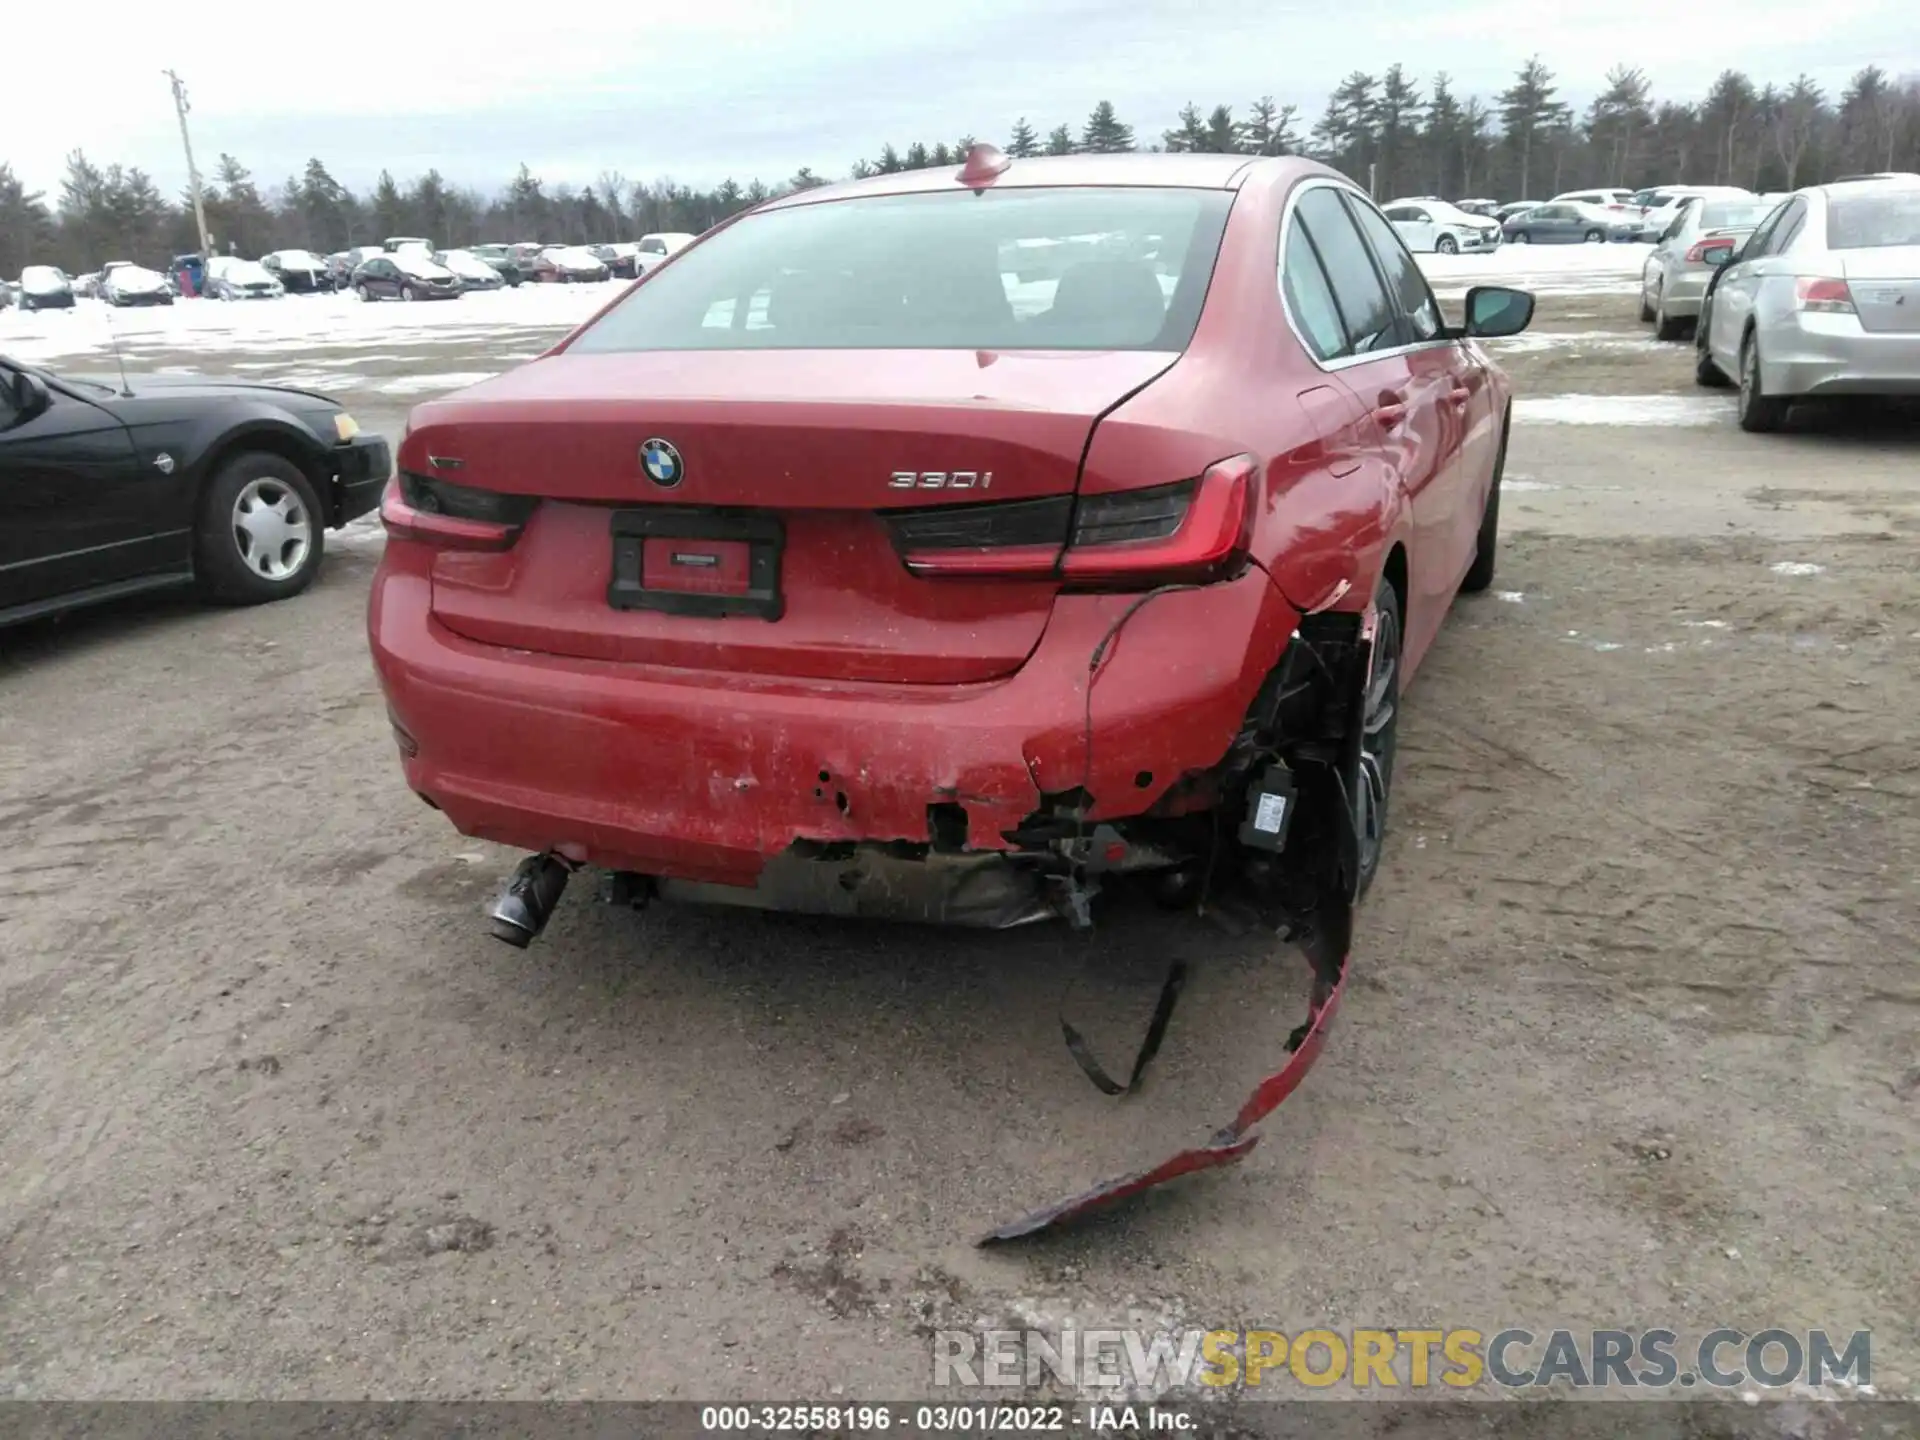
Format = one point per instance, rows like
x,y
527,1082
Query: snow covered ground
x,y
325,335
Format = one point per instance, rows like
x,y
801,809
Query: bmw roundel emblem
x,y
662,463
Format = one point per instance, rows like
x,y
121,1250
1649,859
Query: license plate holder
x,y
764,540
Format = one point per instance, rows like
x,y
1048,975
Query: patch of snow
x,y
1517,483
1512,597
433,384
1706,624
365,535
1623,409
1796,567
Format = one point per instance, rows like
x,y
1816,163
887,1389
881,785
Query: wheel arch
x,y
281,438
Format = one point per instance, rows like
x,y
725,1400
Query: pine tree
x,y
1869,122
1060,140
1617,122
1440,139
1528,111
1104,134
941,156
1797,122
1397,116
1270,128
1023,142
805,179
1730,113
1223,131
889,162
917,156
26,227
1189,134
1346,136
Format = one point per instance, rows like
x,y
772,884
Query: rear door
x,y
76,509
1737,299
1401,377
1447,379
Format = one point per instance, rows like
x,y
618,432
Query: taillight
x,y
1190,530
453,517
1824,296
1697,252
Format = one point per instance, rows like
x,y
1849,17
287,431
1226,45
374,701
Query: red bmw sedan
x,y
954,545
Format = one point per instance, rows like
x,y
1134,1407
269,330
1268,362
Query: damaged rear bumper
x,y
707,776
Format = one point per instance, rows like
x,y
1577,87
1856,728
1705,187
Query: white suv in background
x,y
1442,228
656,247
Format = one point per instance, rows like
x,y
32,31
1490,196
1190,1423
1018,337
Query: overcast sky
x,y
704,89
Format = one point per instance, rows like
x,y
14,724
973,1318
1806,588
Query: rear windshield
x,y
1043,269
1733,215
1870,222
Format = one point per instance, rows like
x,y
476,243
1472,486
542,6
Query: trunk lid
x,y
1886,287
789,462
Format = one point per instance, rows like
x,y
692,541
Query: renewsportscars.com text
x,y
1371,1359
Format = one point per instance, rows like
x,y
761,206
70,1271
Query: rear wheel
x,y
1372,787
1596,237
260,536
1446,245
1665,326
1520,237
1759,411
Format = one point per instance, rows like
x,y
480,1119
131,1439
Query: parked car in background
x,y
394,244
301,272
622,258
1879,175
470,270
1480,206
404,275
1676,274
1650,212
8,289
1559,222
1823,298
567,264
87,287
124,283
255,475
1515,207
1612,200
231,278
500,257
44,287
187,274
657,246
1442,228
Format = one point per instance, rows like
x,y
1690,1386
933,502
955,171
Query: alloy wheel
x,y
271,528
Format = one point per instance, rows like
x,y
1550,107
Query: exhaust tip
x,y
522,910
516,934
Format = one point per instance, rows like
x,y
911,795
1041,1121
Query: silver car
x,y
1823,299
1676,273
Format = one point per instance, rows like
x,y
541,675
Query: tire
x,y
1371,789
1668,327
1521,237
1595,237
1760,413
364,292
1706,372
1486,545
277,554
407,293
1446,245
1646,306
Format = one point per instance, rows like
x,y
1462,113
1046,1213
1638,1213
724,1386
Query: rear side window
x,y
1872,222
1046,269
1409,286
1310,298
1365,307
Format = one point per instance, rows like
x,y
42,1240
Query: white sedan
x,y
1442,228
124,283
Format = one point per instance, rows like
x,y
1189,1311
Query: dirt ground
x,y
1631,1039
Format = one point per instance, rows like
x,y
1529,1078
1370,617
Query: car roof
x,y
1187,171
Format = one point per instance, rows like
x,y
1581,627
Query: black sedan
x,y
406,276
108,491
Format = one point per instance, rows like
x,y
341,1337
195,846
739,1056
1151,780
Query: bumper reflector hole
x,y
825,776
840,801
1142,780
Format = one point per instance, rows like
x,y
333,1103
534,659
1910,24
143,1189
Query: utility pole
x,y
193,171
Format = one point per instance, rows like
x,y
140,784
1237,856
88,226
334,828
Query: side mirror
x,y
1718,256
1496,310
29,394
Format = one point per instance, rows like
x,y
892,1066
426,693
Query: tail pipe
x,y
522,910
